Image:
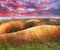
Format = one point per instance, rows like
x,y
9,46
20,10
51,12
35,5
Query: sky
x,y
10,7
52,3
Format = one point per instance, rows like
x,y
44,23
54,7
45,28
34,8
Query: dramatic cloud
x,y
27,7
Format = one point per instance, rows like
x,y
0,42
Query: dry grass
x,y
43,34
29,35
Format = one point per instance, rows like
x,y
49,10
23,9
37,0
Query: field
x,y
32,45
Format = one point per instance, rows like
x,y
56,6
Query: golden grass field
x,y
30,34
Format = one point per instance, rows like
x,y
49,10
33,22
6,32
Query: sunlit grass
x,y
56,44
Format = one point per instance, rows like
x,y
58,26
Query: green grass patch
x,y
27,48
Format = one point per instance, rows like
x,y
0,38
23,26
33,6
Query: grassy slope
x,y
55,45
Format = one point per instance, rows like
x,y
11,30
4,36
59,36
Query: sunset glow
x,y
11,7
